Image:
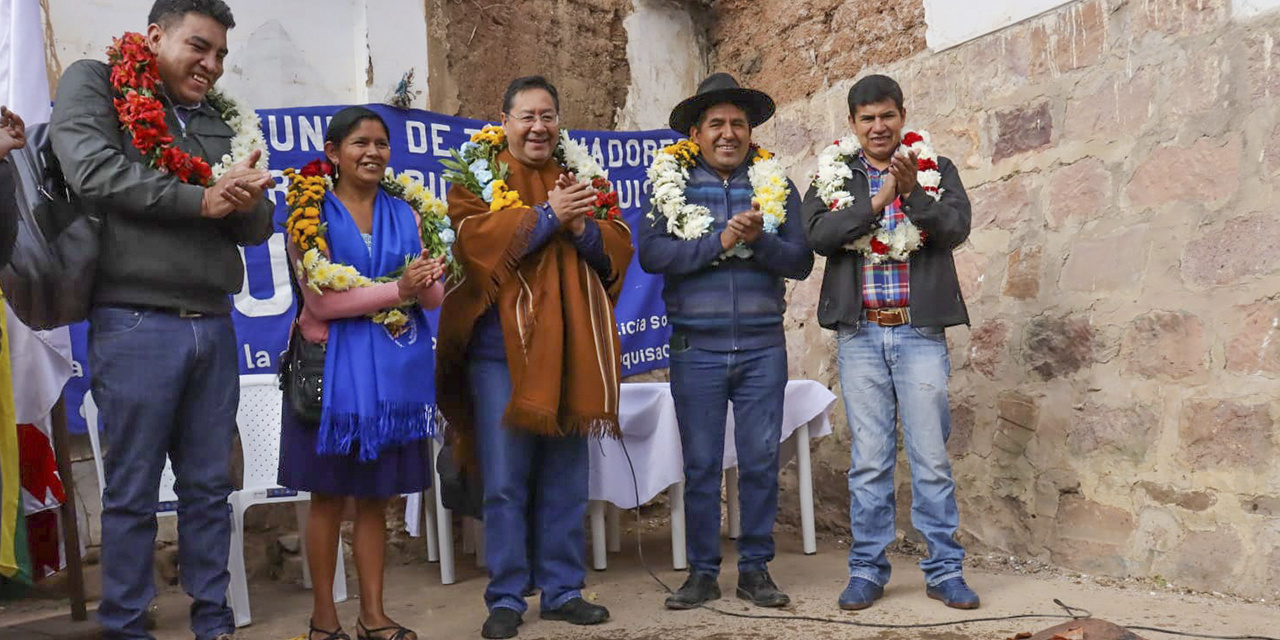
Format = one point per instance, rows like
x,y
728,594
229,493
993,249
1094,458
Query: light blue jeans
x,y
887,373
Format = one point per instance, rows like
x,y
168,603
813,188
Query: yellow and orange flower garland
x,y
305,197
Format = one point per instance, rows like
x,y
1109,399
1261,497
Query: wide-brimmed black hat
x,y
720,88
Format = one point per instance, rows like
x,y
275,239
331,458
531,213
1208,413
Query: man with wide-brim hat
x,y
724,232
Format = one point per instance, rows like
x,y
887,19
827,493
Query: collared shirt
x,y
887,284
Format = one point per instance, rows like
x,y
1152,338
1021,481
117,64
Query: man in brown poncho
x,y
528,357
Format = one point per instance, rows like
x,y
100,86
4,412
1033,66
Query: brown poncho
x,y
557,316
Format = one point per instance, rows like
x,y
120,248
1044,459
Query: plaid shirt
x,y
887,284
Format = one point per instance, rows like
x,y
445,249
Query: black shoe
x,y
759,588
697,589
577,611
502,623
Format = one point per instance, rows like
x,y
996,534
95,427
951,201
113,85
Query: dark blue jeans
x,y
164,385
702,385
535,500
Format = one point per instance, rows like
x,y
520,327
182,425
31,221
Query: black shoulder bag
x,y
302,368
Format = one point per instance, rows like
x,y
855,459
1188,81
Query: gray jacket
x,y
157,250
935,289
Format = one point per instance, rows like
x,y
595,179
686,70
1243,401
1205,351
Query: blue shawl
x,y
374,396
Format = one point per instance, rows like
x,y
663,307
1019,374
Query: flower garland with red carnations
x,y
882,244
135,77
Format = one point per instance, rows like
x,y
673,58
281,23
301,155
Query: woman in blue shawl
x,y
372,440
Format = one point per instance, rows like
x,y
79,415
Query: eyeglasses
x,y
529,119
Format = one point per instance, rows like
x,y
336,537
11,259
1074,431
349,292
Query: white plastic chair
x,y
258,419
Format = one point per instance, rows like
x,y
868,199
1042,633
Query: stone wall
x,y
1115,399
579,45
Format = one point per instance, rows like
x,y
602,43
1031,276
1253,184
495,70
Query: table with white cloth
x,y
651,435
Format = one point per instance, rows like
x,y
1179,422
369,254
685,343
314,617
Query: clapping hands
x,y
572,202
420,275
240,189
13,132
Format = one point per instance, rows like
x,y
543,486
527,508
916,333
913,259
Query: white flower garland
x,y
882,244
669,176
248,133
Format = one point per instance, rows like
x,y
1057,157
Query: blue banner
x,y
264,309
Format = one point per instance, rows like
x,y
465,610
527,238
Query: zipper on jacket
x,y
733,280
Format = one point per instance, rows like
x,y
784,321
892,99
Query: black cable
x,y
1188,634
1070,611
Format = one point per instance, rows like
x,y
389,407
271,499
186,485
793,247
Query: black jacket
x,y
935,290
8,211
157,250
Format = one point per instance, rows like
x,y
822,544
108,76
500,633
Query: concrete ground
x,y
416,598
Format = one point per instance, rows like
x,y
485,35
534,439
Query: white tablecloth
x,y
652,437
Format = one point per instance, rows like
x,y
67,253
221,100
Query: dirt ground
x,y
416,598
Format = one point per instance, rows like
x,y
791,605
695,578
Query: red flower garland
x,y
135,76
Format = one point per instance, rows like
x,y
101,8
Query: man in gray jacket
x,y
162,348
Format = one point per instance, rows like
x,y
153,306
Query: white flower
x,y
247,138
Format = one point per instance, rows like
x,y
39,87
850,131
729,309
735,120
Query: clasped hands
x,y
901,181
239,190
13,132
573,203
745,227
423,272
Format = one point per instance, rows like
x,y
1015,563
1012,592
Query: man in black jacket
x,y
12,136
887,214
162,348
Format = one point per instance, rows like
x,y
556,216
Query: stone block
x,y
1021,130
971,271
1113,263
1165,344
1068,39
1055,346
1006,204
988,347
1091,536
1179,17
1120,107
1206,560
1245,247
1206,172
1022,275
1080,191
1226,433
960,442
1198,82
1017,416
1129,431
1189,500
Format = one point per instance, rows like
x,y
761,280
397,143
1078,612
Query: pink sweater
x,y
318,309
